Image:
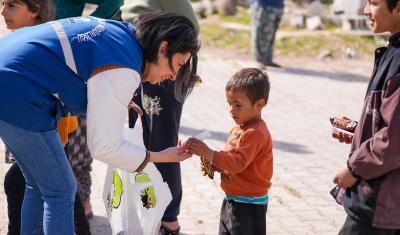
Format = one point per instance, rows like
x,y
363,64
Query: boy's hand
x,y
341,136
199,148
343,178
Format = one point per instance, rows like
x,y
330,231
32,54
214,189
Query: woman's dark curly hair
x,y
179,32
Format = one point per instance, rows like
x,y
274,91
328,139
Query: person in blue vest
x,y
78,66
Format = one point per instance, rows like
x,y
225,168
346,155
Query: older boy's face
x,y
241,109
380,18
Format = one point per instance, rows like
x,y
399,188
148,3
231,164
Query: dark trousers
x,y
160,122
171,173
241,218
352,227
14,187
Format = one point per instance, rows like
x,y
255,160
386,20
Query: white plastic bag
x,y
148,209
123,193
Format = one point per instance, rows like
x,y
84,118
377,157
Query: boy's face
x,y
380,18
241,109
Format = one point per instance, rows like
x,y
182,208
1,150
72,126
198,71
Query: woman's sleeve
x,y
109,93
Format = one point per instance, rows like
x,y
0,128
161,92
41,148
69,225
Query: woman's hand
x,y
172,154
343,178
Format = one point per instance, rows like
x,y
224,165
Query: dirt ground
x,y
351,68
361,67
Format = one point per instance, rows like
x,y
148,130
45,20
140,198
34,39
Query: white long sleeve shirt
x,y
109,93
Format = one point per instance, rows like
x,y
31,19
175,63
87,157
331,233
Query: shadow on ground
x,y
280,145
337,75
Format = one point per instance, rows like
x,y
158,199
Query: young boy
x,y
246,162
369,182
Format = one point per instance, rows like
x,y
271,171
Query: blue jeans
x,y
48,206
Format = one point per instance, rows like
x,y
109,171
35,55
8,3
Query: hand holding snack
x,y
343,129
207,168
196,146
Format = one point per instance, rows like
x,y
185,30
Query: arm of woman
x,y
109,93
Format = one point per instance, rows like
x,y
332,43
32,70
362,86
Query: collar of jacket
x,y
394,39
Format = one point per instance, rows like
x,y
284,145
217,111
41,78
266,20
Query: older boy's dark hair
x,y
253,82
45,7
154,27
392,4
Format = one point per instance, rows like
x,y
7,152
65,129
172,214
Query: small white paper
x,y
202,134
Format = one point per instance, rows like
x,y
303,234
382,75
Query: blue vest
x,y
37,86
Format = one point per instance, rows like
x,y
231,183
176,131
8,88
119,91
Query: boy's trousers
x,y
241,218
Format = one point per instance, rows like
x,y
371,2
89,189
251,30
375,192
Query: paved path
x,y
305,156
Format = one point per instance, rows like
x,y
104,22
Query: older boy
x,y
371,195
246,162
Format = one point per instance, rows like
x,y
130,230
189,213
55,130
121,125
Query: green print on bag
x,y
117,182
147,194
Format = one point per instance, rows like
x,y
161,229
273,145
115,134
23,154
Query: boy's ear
x,y
260,103
398,7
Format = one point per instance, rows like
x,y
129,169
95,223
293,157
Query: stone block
x,y
297,20
314,23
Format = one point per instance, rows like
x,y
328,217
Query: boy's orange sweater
x,y
246,163
65,126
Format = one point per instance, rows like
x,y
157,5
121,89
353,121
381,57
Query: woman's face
x,y
155,73
17,15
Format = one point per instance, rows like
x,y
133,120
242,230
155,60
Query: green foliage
x,y
327,2
306,44
242,16
331,26
335,43
217,36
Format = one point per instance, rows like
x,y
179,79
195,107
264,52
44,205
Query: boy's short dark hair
x,y
392,4
254,82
